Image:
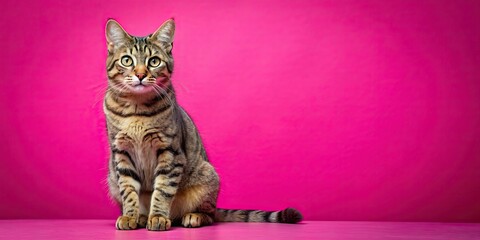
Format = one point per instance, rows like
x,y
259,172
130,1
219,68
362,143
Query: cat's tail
x,y
289,215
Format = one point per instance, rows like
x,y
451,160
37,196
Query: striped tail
x,y
289,215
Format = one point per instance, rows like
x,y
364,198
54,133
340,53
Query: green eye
x,y
126,61
154,62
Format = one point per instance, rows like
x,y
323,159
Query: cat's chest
x,y
142,139
142,135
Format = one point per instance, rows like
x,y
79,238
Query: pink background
x,y
346,110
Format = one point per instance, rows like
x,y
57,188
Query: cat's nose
x,y
140,71
140,76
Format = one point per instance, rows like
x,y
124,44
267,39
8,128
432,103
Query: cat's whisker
x,y
118,88
162,94
158,93
183,86
165,96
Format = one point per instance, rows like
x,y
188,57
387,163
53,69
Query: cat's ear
x,y
164,35
116,35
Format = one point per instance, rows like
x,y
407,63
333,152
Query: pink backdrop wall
x,y
346,110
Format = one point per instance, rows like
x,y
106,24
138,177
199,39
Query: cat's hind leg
x,y
193,220
201,198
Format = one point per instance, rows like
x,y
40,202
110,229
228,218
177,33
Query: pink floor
x,y
104,229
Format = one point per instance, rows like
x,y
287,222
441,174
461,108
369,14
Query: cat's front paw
x,y
126,223
158,223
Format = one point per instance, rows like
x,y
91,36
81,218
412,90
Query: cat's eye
x,y
126,61
154,62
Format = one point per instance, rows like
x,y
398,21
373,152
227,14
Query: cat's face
x,y
139,65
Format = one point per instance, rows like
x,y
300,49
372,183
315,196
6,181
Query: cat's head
x,y
139,65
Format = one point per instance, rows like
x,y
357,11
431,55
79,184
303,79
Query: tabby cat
x,y
158,169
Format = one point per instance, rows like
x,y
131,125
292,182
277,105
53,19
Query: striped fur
x,y
289,215
158,169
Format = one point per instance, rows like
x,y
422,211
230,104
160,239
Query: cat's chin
x,y
141,89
